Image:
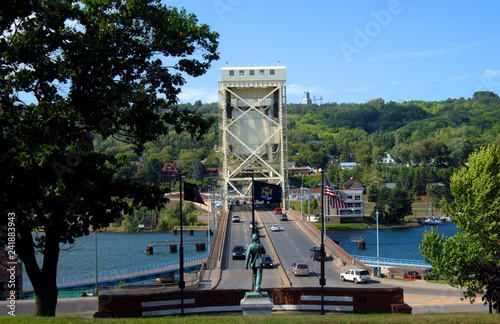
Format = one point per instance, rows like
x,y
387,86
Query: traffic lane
x,y
292,245
234,275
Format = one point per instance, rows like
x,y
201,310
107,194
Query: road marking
x,y
441,300
422,296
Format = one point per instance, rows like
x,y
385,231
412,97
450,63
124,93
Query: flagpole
x,y
181,255
322,279
253,204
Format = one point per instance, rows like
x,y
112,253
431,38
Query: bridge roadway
x,y
291,244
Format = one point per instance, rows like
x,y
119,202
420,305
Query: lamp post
x,y
378,254
322,280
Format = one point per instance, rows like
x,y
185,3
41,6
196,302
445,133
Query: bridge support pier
x,y
361,245
173,248
149,249
200,246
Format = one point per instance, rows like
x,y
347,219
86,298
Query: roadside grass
x,y
462,318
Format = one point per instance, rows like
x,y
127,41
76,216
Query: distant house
x,y
212,173
352,194
170,172
387,160
352,184
298,171
348,165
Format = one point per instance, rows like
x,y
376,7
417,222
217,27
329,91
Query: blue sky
x,y
356,50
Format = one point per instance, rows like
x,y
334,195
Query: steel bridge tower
x,y
252,121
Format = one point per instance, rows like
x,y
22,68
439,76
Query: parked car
x,y
239,252
412,275
356,275
236,219
316,253
275,228
300,269
283,217
277,210
428,275
267,261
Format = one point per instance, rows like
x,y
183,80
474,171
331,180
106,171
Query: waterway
x,y
116,251
394,242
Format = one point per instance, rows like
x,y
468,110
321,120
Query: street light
x,y
322,280
378,255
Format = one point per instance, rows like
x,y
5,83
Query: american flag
x,y
333,197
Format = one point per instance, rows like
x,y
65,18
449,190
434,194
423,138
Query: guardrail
x,y
123,272
393,262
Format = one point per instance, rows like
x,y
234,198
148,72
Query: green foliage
x,y
399,204
93,71
172,215
467,259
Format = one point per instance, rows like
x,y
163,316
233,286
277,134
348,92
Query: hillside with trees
x,y
427,140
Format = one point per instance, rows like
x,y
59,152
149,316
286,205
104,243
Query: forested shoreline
x,y
428,140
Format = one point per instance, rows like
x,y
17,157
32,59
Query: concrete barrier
x,y
161,302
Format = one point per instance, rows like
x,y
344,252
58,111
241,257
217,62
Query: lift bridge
x,y
252,120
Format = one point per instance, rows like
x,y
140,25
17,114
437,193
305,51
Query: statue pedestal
x,y
256,304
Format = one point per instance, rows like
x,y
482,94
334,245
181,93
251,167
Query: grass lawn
x,y
462,318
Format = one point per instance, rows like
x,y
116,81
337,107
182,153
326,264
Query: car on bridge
x,y
275,228
239,252
283,217
267,261
356,275
300,269
412,275
236,219
316,253
277,210
252,224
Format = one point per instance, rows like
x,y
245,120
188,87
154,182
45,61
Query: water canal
x,y
116,251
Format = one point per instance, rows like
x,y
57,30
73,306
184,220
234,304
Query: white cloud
x,y
395,83
191,95
490,74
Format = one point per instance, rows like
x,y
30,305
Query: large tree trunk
x,y
44,279
46,301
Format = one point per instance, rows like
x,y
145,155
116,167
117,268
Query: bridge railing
x,y
119,272
394,262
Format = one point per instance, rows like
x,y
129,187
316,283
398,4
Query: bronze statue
x,y
254,256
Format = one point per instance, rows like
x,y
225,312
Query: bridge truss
x,y
252,120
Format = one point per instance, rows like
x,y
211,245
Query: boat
x,y
446,219
431,219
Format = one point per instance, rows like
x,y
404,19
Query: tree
x,y
471,257
199,172
399,204
89,68
151,170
